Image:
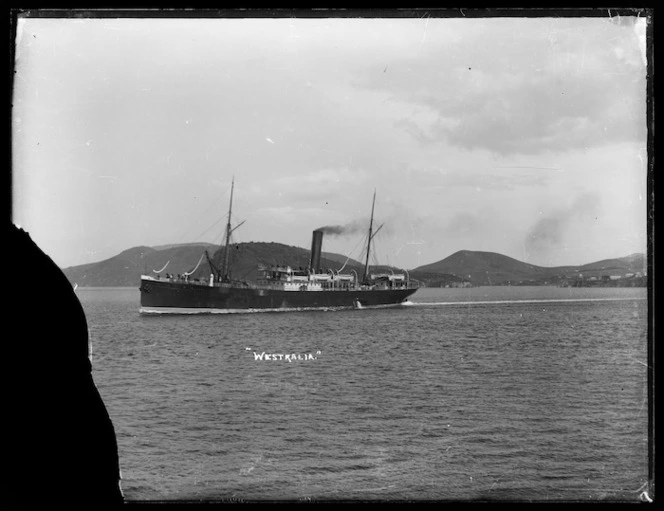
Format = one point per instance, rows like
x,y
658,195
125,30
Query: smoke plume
x,y
343,230
548,234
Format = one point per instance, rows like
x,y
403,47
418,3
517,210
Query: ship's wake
x,y
526,301
157,311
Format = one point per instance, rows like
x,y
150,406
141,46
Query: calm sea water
x,y
518,393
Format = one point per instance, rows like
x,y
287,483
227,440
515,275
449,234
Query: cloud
x,y
543,85
412,107
539,115
498,179
485,181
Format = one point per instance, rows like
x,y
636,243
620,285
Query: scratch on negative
x,y
424,36
642,363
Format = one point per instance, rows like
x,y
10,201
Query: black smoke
x,y
343,230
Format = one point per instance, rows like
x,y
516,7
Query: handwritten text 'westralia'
x,y
287,357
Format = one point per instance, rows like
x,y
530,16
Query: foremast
x,y
223,274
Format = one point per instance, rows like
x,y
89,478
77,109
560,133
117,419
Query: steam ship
x,y
277,287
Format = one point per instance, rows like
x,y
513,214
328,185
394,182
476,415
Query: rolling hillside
x,y
490,268
485,268
631,263
465,267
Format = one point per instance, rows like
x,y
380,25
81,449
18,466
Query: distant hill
x,y
481,267
126,268
490,268
465,267
631,263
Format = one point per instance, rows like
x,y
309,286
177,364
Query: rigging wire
x,y
211,226
351,252
212,204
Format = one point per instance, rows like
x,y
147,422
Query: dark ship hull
x,y
158,296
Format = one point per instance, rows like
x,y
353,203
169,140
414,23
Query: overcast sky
x,y
523,136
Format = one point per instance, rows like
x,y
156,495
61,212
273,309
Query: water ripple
x,y
466,396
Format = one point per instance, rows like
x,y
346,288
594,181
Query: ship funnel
x,y
316,246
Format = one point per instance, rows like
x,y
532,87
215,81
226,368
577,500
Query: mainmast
x,y
224,267
366,264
